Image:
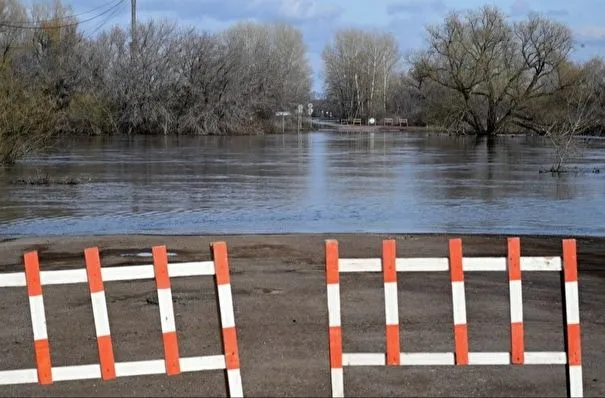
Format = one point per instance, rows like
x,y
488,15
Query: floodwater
x,y
318,182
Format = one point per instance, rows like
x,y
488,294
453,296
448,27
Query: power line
x,y
133,26
102,24
12,26
27,23
87,12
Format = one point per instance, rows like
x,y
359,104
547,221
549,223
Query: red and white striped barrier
x,y
457,265
95,276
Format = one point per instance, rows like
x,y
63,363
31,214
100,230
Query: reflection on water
x,y
320,182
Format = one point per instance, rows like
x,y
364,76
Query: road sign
x,y
283,115
300,109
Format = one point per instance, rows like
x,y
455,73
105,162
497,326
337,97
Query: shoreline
x,y
58,251
416,129
9,238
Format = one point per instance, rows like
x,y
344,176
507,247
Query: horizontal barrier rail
x,y
112,274
447,358
122,369
440,264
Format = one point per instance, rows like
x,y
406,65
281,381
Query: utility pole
x,y
133,28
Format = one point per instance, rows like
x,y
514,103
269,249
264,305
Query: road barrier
x,y
456,264
95,276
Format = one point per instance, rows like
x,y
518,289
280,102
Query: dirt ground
x,y
281,315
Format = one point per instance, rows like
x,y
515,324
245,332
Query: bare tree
x,y
11,37
54,60
359,66
212,95
578,110
276,67
27,112
189,83
291,69
27,119
404,98
494,69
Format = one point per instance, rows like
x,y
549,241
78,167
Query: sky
x,y
318,19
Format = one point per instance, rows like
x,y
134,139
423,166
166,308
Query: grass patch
x,y
42,178
575,170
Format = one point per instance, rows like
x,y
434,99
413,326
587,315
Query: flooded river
x,y
318,182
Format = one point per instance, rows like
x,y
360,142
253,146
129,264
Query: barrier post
x,y
333,286
227,318
99,310
516,302
38,317
572,319
391,306
458,302
169,336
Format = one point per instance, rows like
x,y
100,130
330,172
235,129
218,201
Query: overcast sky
x,y
318,19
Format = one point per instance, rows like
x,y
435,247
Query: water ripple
x,y
319,183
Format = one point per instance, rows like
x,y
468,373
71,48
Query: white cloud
x,y
520,7
415,6
307,9
292,11
591,32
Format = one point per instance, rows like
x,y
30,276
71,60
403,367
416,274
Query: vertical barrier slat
x,y
36,306
169,336
516,302
389,256
333,286
572,319
227,318
458,302
99,309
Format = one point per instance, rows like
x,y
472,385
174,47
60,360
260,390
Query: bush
x,y
27,121
87,114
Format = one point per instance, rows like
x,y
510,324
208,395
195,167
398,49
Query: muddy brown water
x,y
312,183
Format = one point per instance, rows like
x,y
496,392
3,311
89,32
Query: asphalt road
x,y
281,315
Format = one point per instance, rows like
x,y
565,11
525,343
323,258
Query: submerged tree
x,y
490,70
27,119
579,110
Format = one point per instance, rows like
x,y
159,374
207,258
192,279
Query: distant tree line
x,y
55,80
478,74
